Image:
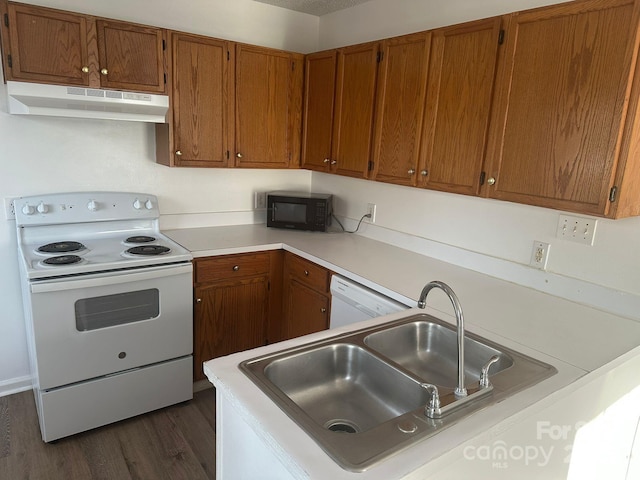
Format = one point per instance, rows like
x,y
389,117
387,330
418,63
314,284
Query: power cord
x,y
366,215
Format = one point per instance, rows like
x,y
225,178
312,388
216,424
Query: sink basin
x,y
359,394
430,350
344,388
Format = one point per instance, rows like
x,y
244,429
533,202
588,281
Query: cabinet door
x,y
562,98
229,317
202,101
268,107
305,310
400,106
46,46
320,76
354,104
131,57
459,95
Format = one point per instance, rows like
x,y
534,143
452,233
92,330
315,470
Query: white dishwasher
x,y
352,302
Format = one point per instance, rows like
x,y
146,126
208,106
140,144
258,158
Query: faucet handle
x,y
432,409
484,373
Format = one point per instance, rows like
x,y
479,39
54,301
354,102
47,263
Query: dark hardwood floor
x,y
174,443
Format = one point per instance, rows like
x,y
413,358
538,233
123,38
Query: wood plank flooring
x,y
173,443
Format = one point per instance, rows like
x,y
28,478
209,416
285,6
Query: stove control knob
x,y
148,204
43,208
28,209
136,204
92,205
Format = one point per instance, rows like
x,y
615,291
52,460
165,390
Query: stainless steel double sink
x,y
360,395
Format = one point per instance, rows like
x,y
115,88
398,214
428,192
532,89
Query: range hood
x,y
79,102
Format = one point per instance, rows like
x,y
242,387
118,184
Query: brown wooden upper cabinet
x,y
459,97
268,107
53,46
199,132
563,134
342,82
319,94
401,90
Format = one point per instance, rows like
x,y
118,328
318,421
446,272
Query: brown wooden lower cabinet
x,y
232,304
248,300
306,298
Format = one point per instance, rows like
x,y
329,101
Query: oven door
x,y
100,324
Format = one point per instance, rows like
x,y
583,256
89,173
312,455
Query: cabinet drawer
x,y
230,266
308,273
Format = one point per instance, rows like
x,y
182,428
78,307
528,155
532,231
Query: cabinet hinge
x,y
6,19
164,44
228,55
501,37
227,154
370,166
268,285
379,57
9,61
165,78
482,177
293,66
612,194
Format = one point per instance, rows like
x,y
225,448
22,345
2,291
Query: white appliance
x,y
26,98
108,307
352,302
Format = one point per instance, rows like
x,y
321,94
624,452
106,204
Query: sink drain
x,y
342,426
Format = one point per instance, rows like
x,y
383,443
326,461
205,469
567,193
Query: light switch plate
x,y
577,229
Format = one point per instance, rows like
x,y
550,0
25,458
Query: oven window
x,y
111,310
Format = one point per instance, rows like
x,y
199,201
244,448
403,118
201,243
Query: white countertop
x,y
572,337
565,330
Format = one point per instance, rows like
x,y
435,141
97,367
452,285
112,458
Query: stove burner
x,y
148,250
140,239
61,247
62,260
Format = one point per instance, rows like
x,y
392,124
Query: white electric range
x,y
108,307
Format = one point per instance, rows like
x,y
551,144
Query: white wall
x,y
378,19
42,155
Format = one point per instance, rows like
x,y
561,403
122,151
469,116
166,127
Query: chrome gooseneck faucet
x,y
460,390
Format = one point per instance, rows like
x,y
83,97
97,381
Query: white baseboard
x,y
15,385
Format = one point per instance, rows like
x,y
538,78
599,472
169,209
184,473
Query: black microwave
x,y
299,210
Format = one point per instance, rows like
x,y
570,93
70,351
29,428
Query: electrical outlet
x,y
9,209
371,211
577,229
260,200
539,255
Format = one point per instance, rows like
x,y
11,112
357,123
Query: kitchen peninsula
x,y
551,329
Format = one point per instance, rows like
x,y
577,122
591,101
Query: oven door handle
x,y
111,278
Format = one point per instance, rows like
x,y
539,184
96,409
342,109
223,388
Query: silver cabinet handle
x,y
333,162
179,153
198,300
85,69
104,71
239,155
323,310
411,171
306,272
424,173
491,181
326,160
236,268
